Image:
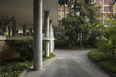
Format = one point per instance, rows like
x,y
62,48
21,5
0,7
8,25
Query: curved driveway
x,y
69,63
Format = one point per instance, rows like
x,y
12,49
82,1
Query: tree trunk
x,y
70,8
64,25
75,9
64,10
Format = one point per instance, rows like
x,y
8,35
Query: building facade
x,y
38,15
105,10
61,12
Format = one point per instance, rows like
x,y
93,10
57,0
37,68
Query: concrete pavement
x,y
68,63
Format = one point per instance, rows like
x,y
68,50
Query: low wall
x,y
2,43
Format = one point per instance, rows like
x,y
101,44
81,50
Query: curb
x,y
23,73
101,67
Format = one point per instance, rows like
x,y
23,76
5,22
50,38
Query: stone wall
x,y
9,51
2,43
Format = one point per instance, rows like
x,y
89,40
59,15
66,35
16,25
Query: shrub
x,y
100,56
14,69
111,66
25,48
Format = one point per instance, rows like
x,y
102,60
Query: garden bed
x,y
13,67
103,60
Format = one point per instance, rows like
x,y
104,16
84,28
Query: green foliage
x,y
25,48
96,55
80,31
103,59
87,9
109,65
14,68
96,34
62,2
61,43
51,55
108,43
5,22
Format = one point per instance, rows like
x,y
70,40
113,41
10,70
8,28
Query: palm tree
x,y
5,22
63,2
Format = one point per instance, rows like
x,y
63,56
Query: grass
x,y
104,60
96,55
13,67
111,66
51,55
74,48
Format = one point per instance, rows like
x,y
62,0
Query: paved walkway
x,y
69,63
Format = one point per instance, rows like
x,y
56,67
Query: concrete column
x,y
24,30
53,46
47,53
46,23
37,9
51,41
30,31
52,32
14,28
51,28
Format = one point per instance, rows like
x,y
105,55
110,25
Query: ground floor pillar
x,y
24,30
46,23
14,28
37,10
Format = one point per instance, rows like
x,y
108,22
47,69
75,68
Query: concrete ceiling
x,y
23,11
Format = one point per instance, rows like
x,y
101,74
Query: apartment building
x,y
105,10
61,12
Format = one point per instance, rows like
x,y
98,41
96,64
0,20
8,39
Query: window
x,y
99,2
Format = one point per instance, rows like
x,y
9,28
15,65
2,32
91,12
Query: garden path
x,y
69,63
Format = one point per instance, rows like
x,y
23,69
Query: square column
x,y
37,14
14,28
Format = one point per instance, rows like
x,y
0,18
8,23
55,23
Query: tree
x,y
77,29
5,22
63,2
86,8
